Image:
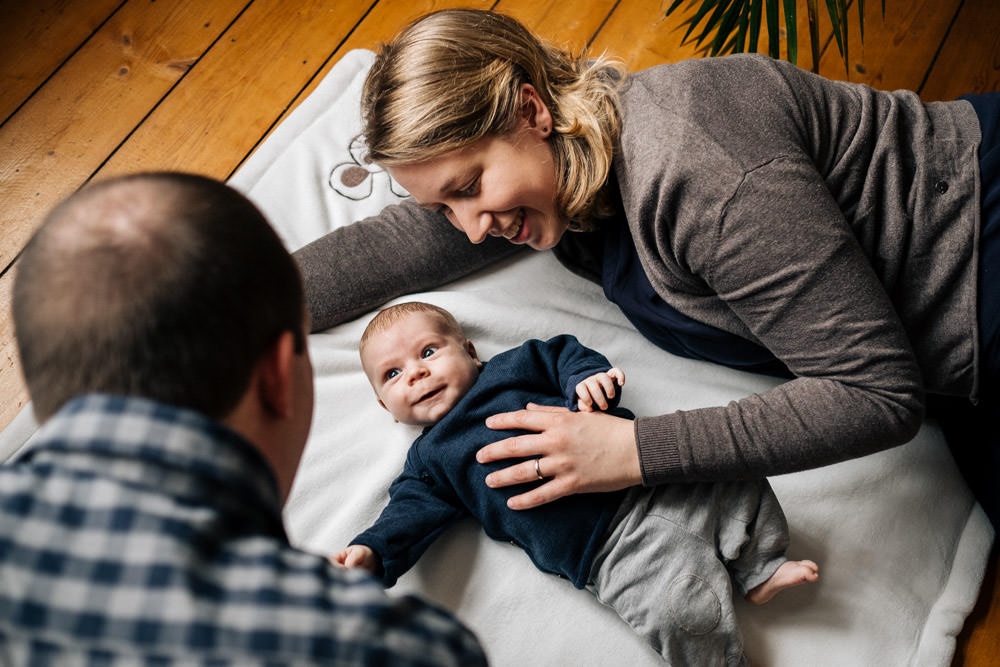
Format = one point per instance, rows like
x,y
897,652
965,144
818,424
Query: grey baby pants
x,y
672,555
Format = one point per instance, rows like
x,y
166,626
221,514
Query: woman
x,y
738,210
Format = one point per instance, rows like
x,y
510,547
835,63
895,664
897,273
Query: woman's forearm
x,y
404,249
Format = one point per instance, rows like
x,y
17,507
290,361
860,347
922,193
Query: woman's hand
x,y
577,452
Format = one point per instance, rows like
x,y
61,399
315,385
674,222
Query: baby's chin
x,y
433,415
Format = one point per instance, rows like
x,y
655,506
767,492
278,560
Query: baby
x,y
664,558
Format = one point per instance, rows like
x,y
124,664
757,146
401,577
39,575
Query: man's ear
x,y
534,113
276,375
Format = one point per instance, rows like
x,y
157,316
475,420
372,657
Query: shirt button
x,y
941,187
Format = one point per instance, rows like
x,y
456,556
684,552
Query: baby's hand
x,y
598,388
356,555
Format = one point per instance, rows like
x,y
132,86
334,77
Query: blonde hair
x,y
387,317
454,77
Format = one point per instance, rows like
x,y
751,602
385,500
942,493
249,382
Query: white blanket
x,y
901,544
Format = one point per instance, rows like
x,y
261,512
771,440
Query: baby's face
x,y
418,369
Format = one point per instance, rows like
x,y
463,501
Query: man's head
x,y
418,361
166,286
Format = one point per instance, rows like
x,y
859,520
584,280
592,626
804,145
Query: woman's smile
x,y
515,229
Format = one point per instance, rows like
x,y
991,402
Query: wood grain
x,y
895,52
240,87
63,134
36,37
385,19
13,393
969,60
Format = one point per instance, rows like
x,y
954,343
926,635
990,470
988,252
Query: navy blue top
x,y
626,285
442,481
987,108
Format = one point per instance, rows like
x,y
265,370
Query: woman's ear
x,y
534,113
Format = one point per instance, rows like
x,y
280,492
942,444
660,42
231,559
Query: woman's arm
x,y
786,264
404,249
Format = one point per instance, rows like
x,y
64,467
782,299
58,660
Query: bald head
x,y
165,286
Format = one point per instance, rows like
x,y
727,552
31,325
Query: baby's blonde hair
x,y
454,77
385,318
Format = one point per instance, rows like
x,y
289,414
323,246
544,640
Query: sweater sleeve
x,y
810,296
417,513
404,249
574,363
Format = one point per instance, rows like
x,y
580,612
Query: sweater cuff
x,y
659,455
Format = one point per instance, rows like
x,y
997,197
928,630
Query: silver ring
x,y
537,471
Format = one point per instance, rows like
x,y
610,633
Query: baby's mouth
x,y
430,394
515,228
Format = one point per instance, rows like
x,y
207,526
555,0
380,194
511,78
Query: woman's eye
x,y
391,373
428,351
471,189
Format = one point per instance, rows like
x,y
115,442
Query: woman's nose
x,y
477,225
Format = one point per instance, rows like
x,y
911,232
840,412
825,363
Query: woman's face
x,y
501,185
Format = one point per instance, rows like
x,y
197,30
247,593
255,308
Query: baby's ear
x,y
471,349
386,409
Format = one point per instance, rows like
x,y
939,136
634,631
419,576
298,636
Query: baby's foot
x,y
791,573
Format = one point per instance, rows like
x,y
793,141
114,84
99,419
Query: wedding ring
x,y
537,471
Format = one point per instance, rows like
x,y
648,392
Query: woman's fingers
x,y
532,418
577,451
535,407
541,494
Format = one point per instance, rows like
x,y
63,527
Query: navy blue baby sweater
x,y
442,481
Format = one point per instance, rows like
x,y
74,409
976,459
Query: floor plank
x,y
386,18
895,52
969,61
13,393
643,36
240,87
67,129
979,643
567,25
36,37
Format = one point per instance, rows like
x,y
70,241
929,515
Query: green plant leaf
x,y
754,24
791,32
733,26
812,8
773,35
727,24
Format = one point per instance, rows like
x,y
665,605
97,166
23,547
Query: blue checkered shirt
x,y
136,533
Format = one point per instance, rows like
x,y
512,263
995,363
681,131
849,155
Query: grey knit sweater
x,y
834,224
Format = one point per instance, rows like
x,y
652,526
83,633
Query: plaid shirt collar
x,y
181,452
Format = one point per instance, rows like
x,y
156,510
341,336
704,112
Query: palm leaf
x,y
733,26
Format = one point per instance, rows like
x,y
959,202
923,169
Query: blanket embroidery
x,y
355,180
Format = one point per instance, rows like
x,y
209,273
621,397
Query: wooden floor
x,y
94,88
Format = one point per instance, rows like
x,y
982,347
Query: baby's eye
x,y
428,351
391,373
